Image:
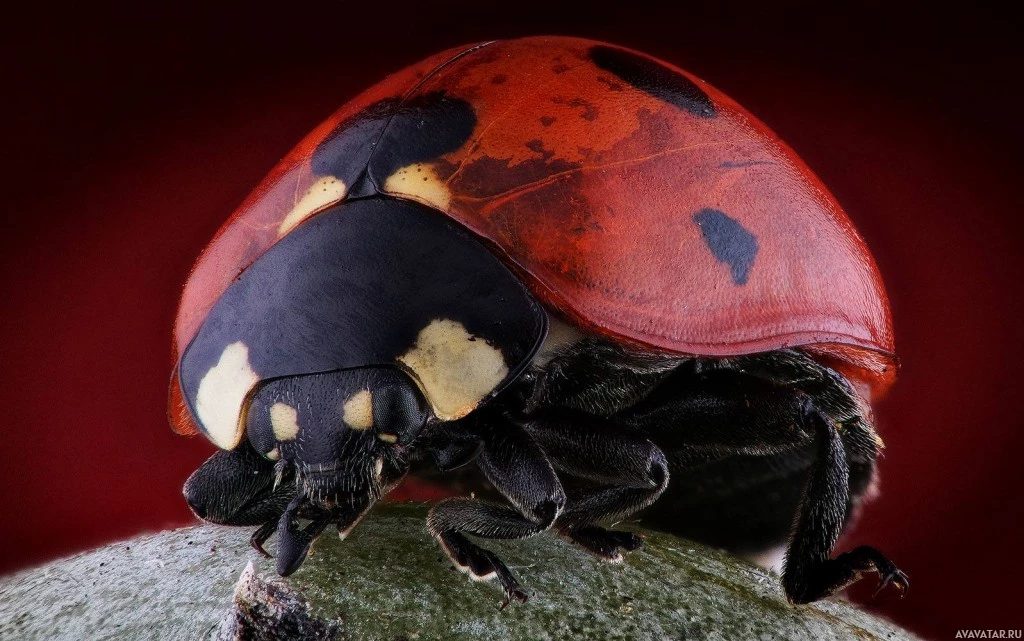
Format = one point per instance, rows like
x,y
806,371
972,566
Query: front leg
x,y
239,487
518,468
809,573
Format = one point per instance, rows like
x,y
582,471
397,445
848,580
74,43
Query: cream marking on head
x,y
455,369
273,455
388,438
419,182
222,394
285,420
378,467
357,412
320,195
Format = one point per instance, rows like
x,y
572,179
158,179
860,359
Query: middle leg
x,y
629,471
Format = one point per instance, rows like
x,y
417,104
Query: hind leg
x,y
809,573
755,432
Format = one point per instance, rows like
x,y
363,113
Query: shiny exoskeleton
x,y
582,272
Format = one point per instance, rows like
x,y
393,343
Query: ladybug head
x,y
343,433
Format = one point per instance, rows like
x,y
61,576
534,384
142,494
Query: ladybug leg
x,y
631,473
238,487
740,451
518,468
294,541
260,536
809,573
449,518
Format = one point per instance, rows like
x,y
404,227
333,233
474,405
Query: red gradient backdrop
x,y
130,134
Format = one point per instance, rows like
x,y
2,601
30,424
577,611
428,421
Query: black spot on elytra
x,y
537,147
729,241
611,84
655,79
422,128
547,120
589,112
345,151
498,79
560,68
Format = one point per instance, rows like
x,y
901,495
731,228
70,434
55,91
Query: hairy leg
x,y
705,418
294,541
519,469
626,473
809,573
238,487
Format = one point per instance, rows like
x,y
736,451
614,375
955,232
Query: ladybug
x,y
580,270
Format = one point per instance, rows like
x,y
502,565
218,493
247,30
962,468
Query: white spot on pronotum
x,y
222,393
378,467
418,182
274,455
320,195
455,369
357,412
285,420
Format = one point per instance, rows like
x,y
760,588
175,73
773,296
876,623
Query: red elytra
x,y
587,170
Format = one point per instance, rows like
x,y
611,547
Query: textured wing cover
x,y
637,199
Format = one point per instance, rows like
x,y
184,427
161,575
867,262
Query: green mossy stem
x,y
390,580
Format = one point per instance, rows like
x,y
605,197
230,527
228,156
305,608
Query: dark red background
x,y
130,136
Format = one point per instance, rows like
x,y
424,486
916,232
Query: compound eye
x,y
399,412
